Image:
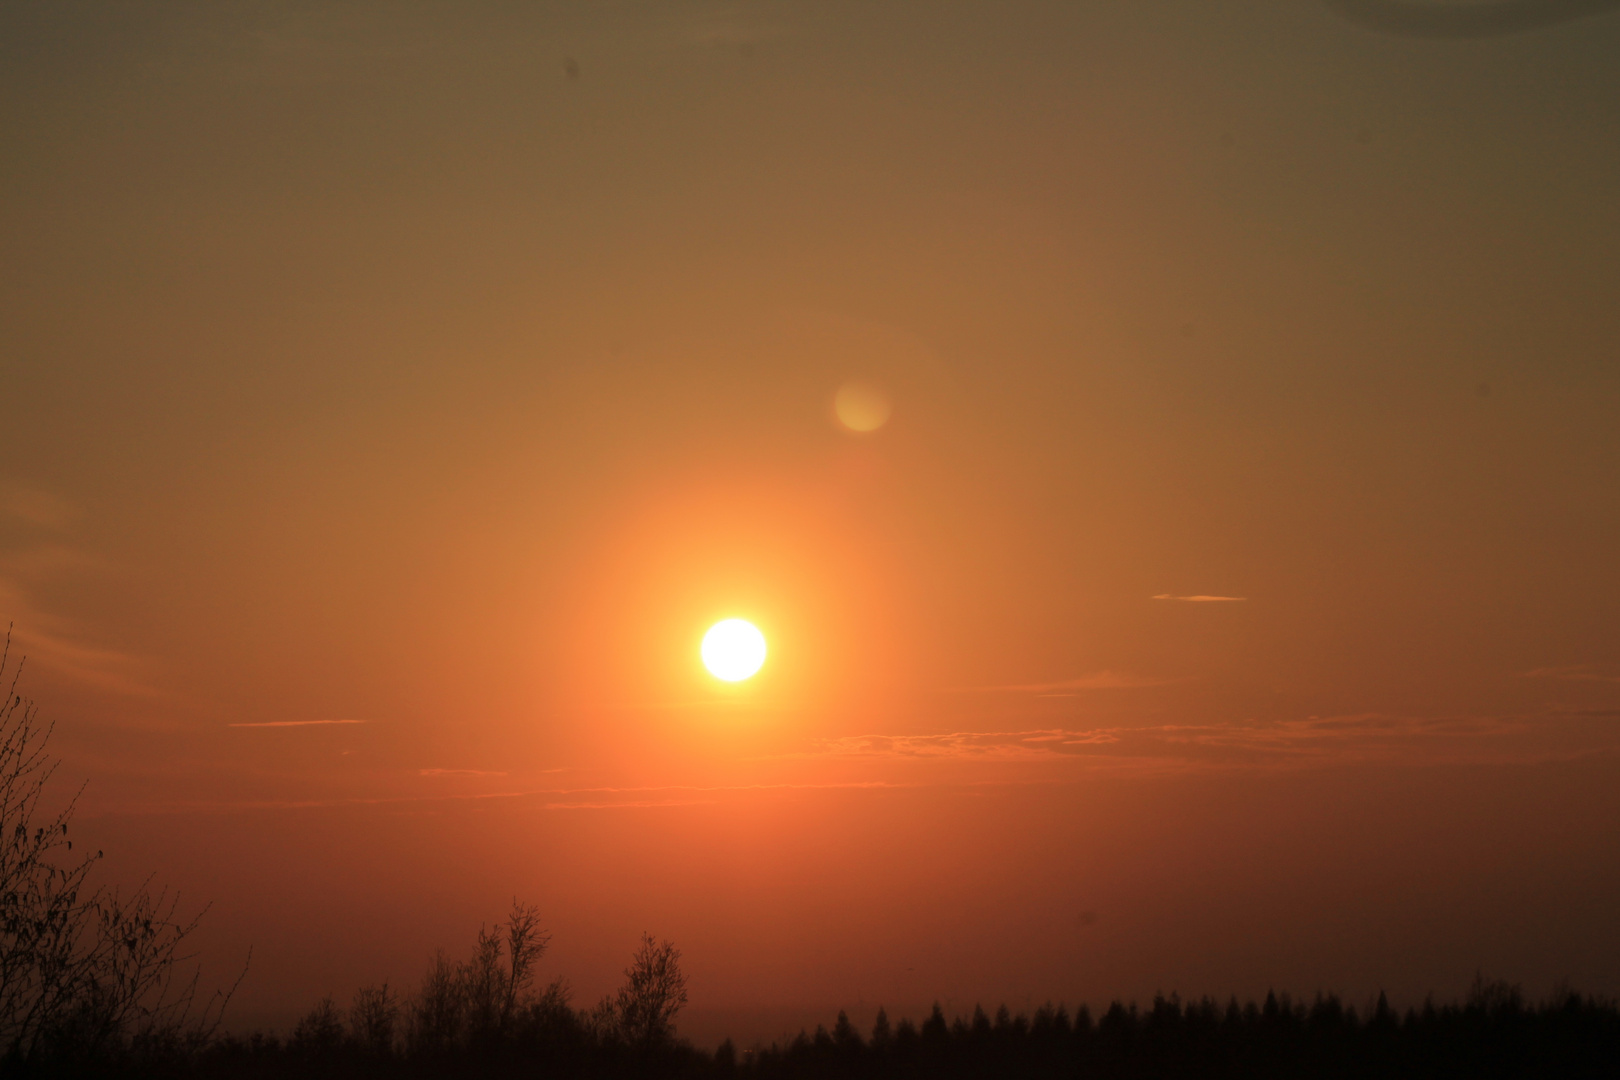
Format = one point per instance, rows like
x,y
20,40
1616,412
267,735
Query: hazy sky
x,y
395,393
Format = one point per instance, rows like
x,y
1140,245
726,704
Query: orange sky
x,y
397,392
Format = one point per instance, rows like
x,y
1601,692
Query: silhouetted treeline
x,y
1495,1033
485,1016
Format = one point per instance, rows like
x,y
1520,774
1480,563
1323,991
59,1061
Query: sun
x,y
733,649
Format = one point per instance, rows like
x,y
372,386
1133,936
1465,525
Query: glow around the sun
x,y
733,649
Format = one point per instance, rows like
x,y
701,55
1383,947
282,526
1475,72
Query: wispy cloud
x,y
54,641
1304,741
981,745
458,772
296,723
48,641
1202,599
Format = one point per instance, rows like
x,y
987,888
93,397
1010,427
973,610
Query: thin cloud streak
x,y
1203,599
297,723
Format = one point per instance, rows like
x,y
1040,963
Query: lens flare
x,y
733,649
861,407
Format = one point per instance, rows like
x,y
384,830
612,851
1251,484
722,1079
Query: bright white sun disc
x,y
733,649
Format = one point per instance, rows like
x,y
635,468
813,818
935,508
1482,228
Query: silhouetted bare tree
x,y
525,944
373,1018
437,1014
320,1032
485,996
643,1011
43,971
81,969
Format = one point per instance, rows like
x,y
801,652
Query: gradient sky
x,y
395,392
